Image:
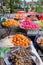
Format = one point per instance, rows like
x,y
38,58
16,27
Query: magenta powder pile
x,y
27,24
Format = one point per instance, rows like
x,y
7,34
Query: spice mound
x,y
21,57
10,23
20,16
21,40
28,24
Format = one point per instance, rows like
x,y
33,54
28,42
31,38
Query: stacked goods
x,y
20,16
32,13
18,49
16,40
10,23
21,57
21,12
40,42
27,24
21,40
33,18
40,22
41,17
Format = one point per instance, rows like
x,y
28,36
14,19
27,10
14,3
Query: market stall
x,y
23,39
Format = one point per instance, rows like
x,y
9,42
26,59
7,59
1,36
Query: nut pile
x,y
21,57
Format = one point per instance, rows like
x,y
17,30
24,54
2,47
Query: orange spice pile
x,y
21,40
10,23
